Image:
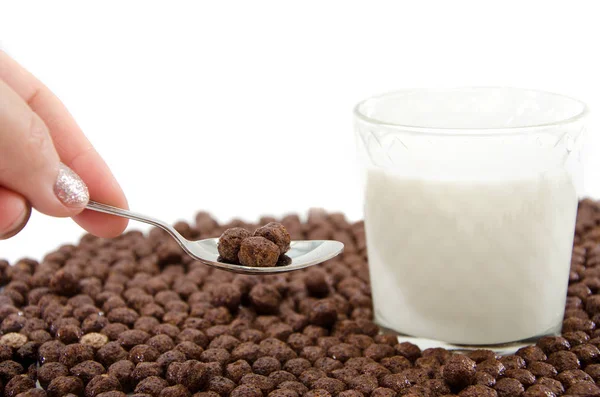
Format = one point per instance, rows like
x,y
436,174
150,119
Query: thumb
x,y
14,213
29,163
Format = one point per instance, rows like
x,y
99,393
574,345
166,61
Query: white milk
x,y
470,262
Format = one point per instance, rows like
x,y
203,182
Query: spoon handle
x,y
108,209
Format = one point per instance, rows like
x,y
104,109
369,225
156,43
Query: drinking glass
x,y
470,200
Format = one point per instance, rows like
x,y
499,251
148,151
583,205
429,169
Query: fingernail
x,y
70,189
18,224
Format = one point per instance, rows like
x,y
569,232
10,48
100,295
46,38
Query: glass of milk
x,y
470,203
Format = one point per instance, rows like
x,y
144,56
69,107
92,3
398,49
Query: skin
x,y
36,134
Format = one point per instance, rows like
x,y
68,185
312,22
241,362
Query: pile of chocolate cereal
x,y
134,315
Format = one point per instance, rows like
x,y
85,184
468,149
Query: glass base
x,y
502,349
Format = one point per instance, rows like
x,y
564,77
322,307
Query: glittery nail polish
x,y
70,189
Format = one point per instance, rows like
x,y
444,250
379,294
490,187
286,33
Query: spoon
x,y
302,253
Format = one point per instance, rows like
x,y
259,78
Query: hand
x,y
46,161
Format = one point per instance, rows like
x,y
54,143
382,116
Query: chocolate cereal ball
x,y
226,294
538,391
563,360
142,353
265,298
87,370
219,355
221,385
258,252
6,352
122,370
175,391
173,372
485,379
101,384
50,351
64,283
69,334
382,392
76,353
47,372
276,233
64,385
193,375
478,391
191,350
94,339
261,382
172,356
283,393
583,389
111,353
265,365
18,384
206,394
570,377
317,393
278,377
230,242
9,369
161,342
555,386
508,387
214,369
324,313
13,340
33,393
236,370
151,386
294,386
333,386
354,393
459,371
144,370
246,391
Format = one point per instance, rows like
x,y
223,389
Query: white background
x,y
245,108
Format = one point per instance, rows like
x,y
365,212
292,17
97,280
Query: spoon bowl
x,y
302,253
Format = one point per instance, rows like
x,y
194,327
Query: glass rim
x,y
468,131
